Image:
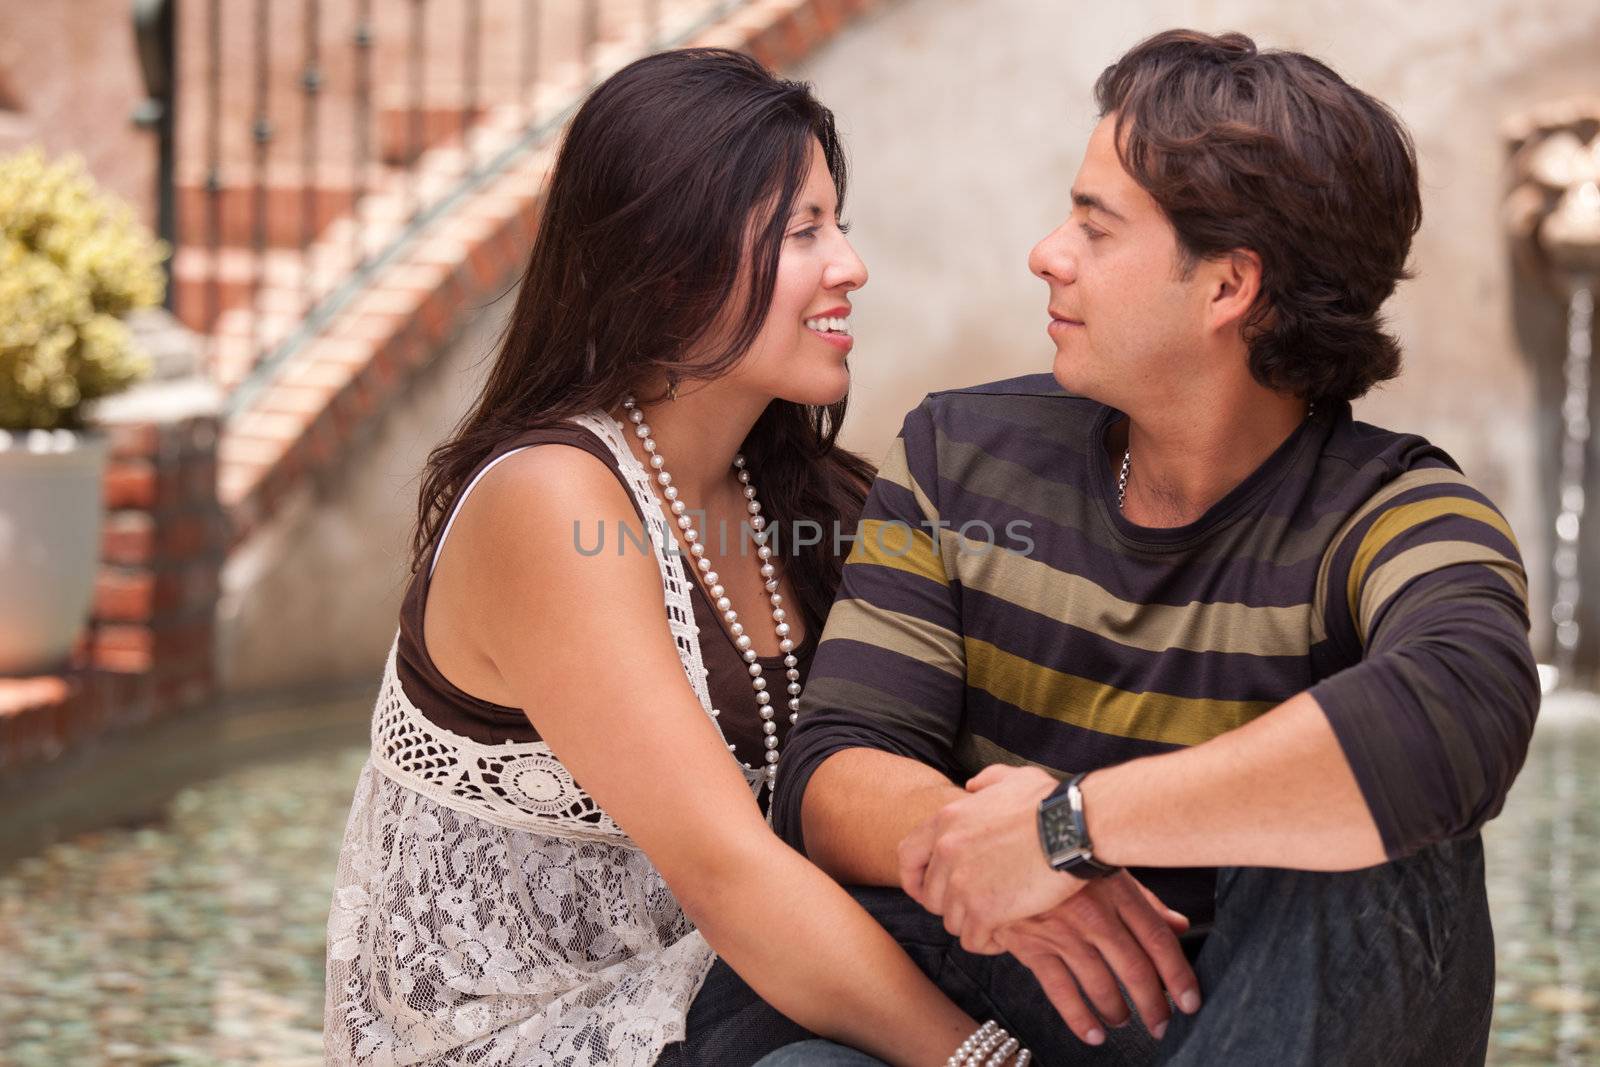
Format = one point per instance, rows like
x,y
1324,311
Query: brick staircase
x,y
316,402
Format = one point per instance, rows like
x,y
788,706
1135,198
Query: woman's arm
x,y
581,641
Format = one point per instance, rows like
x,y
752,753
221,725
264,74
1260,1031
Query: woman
x,y
675,364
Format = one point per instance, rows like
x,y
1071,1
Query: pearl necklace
x,y
719,596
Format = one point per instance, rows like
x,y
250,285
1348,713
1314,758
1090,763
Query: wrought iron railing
x,y
274,95
154,39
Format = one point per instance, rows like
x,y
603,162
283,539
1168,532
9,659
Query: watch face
x,y
1057,828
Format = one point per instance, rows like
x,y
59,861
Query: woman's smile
x,y
833,326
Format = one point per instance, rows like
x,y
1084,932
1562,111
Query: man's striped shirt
x,y
998,607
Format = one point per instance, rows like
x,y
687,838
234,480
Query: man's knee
x,y
1415,908
1392,958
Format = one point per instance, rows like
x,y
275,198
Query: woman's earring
x,y
672,387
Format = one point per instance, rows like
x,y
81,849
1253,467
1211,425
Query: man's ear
x,y
1235,287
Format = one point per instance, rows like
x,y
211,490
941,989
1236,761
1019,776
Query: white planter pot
x,y
50,520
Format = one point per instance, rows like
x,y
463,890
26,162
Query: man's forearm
x,y
858,806
1277,792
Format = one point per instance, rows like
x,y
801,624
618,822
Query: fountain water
x,y
1574,465
1573,1026
1555,221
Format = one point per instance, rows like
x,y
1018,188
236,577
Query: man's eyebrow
x,y
1094,203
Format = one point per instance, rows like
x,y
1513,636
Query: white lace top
x,y
486,910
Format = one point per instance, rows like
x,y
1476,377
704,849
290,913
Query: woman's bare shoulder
x,y
536,498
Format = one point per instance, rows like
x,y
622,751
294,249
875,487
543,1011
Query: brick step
x,y
414,168
208,284
288,208
404,135
320,399
205,286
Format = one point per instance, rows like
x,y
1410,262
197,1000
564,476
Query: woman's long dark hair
x,y
668,169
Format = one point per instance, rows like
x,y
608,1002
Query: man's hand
x,y
978,861
1113,930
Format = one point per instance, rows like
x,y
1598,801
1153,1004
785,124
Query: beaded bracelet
x,y
990,1045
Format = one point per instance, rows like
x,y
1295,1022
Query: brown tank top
x,y
727,677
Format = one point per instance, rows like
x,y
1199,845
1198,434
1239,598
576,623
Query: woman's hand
x,y
978,861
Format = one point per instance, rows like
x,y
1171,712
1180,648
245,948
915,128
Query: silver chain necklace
x,y
1122,479
719,595
1127,465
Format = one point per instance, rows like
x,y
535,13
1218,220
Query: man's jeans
x,y
1390,965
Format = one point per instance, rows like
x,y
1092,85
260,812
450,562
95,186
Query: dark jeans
x,y
1390,965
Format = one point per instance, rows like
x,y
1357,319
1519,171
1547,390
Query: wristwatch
x,y
1064,835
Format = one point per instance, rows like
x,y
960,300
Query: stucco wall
x,y
313,599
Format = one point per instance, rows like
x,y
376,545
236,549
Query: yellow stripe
x,y
1391,577
1405,483
907,635
1105,709
898,545
1396,521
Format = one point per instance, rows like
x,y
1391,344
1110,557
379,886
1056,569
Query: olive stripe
x,y
1396,521
899,545
906,635
1105,709
897,470
1389,578
1412,479
1195,627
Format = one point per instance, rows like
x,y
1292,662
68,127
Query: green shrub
x,y
72,261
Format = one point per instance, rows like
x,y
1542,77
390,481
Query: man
x,y
1289,649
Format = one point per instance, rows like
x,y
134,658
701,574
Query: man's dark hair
x,y
1275,153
